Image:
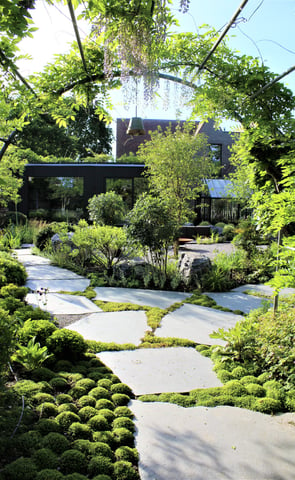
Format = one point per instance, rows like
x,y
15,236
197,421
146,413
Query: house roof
x,y
219,188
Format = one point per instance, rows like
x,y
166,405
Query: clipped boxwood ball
x,y
121,388
86,401
49,474
59,384
46,410
239,372
42,373
105,383
125,471
102,449
124,422
76,392
120,399
85,413
63,398
123,436
84,446
57,442
42,397
67,407
86,383
20,469
63,366
108,414
105,437
98,423
66,344
100,465
224,376
267,405
249,379
100,392
104,403
65,419
123,412
128,454
41,329
75,476
80,430
264,377
256,390
235,388
47,425
28,442
72,461
102,477
45,458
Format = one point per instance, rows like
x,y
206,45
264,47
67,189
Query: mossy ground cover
x,y
71,419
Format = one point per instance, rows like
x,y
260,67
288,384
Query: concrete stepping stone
x,y
236,300
77,285
62,304
118,327
151,298
221,443
49,272
196,323
264,289
158,370
30,260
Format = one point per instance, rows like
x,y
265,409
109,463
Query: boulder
x,y
192,269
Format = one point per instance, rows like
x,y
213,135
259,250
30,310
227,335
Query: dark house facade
x,y
219,140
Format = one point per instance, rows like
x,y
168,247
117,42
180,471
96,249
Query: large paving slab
x,y
236,300
221,443
160,370
263,289
29,259
118,327
196,323
150,298
62,304
74,285
49,272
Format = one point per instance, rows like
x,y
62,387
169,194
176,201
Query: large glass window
x,y
216,155
55,197
129,188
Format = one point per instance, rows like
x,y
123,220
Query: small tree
x,y
151,225
106,208
177,163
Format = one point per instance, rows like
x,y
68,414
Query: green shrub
x,y
86,383
239,372
102,449
45,458
128,454
42,374
100,392
107,208
105,383
63,366
12,290
235,388
100,465
57,442
44,235
123,437
125,471
123,412
83,445
104,403
120,399
104,437
76,476
20,469
67,344
121,388
98,422
80,430
27,312
124,422
47,425
63,398
85,413
11,271
109,415
28,442
290,400
28,388
264,377
6,338
267,405
67,407
249,379
224,375
102,477
72,461
46,410
32,355
77,392
49,474
40,329
10,304
59,384
86,401
255,390
65,419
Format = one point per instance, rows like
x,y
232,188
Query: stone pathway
x,y
221,443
